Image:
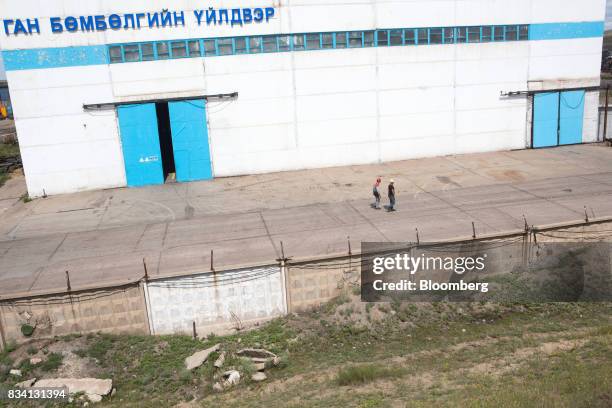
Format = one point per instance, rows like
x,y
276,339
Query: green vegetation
x,y
9,150
414,355
27,330
576,378
52,362
366,373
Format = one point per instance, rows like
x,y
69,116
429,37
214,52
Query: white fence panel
x,y
216,302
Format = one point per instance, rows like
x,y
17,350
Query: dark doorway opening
x,y
165,141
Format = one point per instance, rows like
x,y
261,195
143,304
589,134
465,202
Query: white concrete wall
x,y
335,107
302,109
63,147
214,301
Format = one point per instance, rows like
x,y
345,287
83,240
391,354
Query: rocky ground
x,y
349,354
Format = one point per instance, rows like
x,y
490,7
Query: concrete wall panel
x,y
337,132
543,11
408,126
416,100
113,311
319,283
565,59
416,75
392,150
233,142
215,302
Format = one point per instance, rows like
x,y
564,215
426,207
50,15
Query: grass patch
x,y
99,347
9,150
366,373
52,362
569,379
330,307
3,178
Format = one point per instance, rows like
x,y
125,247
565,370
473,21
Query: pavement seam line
x,y
216,241
107,204
368,221
545,199
42,268
144,231
460,209
586,177
268,233
8,248
163,243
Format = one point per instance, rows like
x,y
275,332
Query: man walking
x,y
391,195
376,193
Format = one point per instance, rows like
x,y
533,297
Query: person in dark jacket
x,y
391,189
376,193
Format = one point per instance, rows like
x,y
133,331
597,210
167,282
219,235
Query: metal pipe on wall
x,y
605,130
2,335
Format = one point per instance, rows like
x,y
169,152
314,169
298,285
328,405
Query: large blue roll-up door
x,y
140,142
545,119
190,140
558,118
571,118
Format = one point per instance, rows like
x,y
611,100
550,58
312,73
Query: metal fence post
x,y
605,129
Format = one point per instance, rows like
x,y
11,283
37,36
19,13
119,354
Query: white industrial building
x,y
126,93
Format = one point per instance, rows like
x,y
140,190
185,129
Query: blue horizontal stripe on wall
x,y
566,31
38,58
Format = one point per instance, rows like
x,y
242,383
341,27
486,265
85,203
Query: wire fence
x,y
344,266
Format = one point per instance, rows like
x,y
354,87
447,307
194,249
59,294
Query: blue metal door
x,y
140,142
571,117
190,140
545,119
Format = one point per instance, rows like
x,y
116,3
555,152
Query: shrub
x,y
27,330
11,346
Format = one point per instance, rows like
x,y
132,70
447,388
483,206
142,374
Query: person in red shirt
x,y
376,194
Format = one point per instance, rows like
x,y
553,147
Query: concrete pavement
x,y
102,237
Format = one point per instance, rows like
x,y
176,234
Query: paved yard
x,y
103,236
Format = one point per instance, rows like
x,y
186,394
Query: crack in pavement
x,y
268,234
